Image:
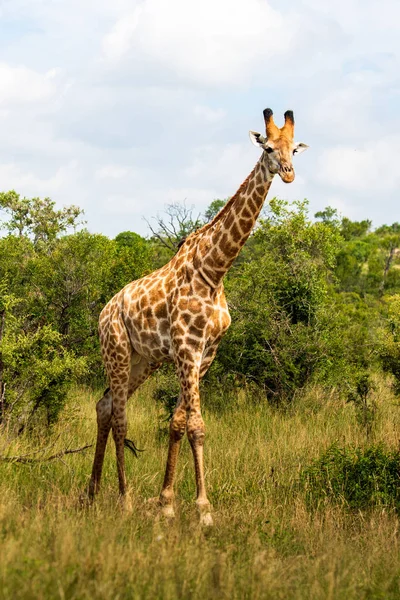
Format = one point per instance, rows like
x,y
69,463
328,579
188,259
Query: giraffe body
x,y
179,314
166,312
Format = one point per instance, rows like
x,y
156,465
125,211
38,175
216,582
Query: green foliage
x,y
35,370
70,285
309,301
278,296
354,477
213,209
133,259
390,341
15,254
354,229
66,284
366,409
348,325
37,217
351,265
369,263
328,216
167,391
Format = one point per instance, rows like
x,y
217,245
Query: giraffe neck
x,y
225,236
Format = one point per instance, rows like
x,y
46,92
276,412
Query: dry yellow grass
x,y
265,543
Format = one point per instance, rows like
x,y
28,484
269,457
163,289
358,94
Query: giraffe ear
x,y
257,139
299,148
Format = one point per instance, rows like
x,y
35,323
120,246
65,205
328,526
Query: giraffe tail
x,y
132,447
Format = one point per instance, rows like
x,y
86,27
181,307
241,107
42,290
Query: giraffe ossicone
x,y
179,314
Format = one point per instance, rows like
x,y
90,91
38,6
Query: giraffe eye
x,y
269,149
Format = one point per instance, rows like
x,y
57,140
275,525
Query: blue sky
x,y
125,106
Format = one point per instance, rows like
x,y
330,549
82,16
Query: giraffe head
x,y
278,145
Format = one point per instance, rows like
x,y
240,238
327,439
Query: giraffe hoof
x,y
206,520
167,511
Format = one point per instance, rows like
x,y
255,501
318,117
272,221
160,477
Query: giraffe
x,y
179,314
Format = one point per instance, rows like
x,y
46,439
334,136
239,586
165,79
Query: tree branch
x,y
27,461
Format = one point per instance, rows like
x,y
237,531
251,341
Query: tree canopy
x,y
312,300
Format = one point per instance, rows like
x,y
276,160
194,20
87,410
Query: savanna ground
x,y
266,542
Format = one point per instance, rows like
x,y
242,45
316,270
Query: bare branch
x,y
168,245
177,224
27,460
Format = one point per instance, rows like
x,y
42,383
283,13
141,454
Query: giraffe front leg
x,y
196,435
189,376
176,432
119,428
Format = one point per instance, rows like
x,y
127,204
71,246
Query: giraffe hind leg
x,y
123,383
140,371
104,411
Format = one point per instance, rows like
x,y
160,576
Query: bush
x,y
167,391
354,477
366,409
35,370
278,295
390,341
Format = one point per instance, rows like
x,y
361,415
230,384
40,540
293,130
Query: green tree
x,y
70,285
133,259
390,340
36,371
37,217
354,229
278,296
213,209
328,215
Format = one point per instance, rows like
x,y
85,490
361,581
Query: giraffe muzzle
x,y
286,173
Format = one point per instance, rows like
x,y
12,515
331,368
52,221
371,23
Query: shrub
x,y
279,295
390,342
356,478
35,370
167,391
366,409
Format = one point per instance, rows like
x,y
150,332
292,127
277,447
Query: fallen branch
x,y
26,460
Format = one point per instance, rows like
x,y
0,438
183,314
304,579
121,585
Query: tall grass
x,y
266,543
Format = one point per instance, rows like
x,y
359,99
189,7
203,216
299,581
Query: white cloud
x,y
208,114
225,163
345,209
341,110
119,40
20,85
30,183
198,198
112,172
369,169
208,42
124,105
